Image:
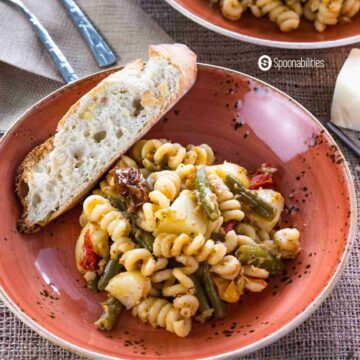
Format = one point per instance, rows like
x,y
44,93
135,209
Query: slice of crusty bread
x,y
98,129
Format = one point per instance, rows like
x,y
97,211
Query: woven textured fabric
x,y
333,332
124,23
126,27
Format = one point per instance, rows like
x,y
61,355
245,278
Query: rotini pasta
x,y
186,172
311,8
98,210
161,313
328,13
349,9
233,240
146,219
250,279
187,304
177,244
143,152
185,284
295,5
253,278
232,9
229,207
126,162
83,220
199,155
287,13
278,12
252,284
247,230
161,154
288,242
143,260
251,270
255,10
228,268
171,245
166,185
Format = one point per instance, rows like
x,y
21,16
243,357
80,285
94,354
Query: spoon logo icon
x,y
265,62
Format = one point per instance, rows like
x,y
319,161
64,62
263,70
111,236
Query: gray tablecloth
x,y
333,332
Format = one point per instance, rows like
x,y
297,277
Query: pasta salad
x,y
287,14
173,237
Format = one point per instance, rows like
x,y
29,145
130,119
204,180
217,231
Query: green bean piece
x,y
200,294
205,197
114,197
209,287
132,218
93,284
111,311
217,236
257,205
260,257
112,268
144,239
205,311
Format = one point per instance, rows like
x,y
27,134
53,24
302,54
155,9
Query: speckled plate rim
x,y
263,42
312,307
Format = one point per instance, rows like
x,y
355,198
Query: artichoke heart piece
x,y
226,168
183,216
129,287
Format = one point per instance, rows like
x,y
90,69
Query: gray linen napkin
x,y
27,72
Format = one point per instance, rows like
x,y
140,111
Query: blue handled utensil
x,y
348,137
67,72
101,51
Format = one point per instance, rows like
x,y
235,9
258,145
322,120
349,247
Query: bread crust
x,y
179,56
183,59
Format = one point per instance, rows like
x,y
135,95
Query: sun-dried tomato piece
x,y
261,181
229,226
131,184
263,177
89,259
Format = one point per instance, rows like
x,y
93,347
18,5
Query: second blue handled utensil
x,y
99,48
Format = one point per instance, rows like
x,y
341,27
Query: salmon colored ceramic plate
x,y
245,121
262,31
